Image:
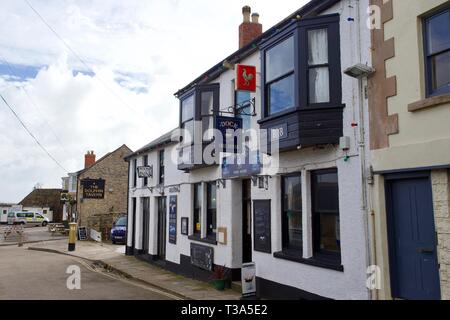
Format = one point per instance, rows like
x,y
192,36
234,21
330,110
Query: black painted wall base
x,y
276,291
129,251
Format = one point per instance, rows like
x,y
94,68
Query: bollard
x,y
72,236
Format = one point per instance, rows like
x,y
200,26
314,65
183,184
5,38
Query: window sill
x,y
204,240
429,102
312,261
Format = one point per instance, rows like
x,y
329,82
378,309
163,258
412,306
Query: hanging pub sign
x,y
245,78
145,172
173,220
235,167
93,189
227,127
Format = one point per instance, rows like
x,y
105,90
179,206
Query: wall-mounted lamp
x,y
359,71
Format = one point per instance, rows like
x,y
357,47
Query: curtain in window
x,y
319,77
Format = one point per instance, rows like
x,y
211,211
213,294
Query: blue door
x,y
412,237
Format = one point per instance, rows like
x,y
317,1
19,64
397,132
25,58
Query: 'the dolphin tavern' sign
x,y
93,189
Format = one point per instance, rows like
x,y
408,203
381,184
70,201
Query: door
x,y
162,213
246,222
133,228
145,224
412,237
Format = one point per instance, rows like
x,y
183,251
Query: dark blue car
x,y
119,231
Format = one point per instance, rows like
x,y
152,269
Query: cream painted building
x,y
409,105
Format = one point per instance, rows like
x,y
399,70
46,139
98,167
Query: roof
x,y
43,198
101,159
3,205
164,140
312,8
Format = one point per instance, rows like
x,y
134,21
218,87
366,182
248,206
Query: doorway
x,y
246,221
145,224
412,237
162,214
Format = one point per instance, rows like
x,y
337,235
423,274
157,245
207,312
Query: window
x,y
292,214
161,167
187,116
318,69
44,211
243,108
325,212
4,211
279,76
29,215
302,67
74,184
145,161
207,109
198,198
134,172
211,217
437,52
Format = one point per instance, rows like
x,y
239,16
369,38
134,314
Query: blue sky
x,y
135,55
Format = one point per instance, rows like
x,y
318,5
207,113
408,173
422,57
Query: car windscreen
x,y
122,222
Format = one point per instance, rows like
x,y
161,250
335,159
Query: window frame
x,y
211,212
161,167
285,221
318,253
134,173
299,29
145,163
197,209
427,57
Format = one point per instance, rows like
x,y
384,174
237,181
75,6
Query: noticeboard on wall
x,y
262,232
173,220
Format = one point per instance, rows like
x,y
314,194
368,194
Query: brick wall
x,y
114,170
441,201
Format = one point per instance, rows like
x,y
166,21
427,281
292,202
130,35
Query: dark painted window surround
x,y
308,123
198,115
436,33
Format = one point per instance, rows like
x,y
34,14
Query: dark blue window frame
x,y
299,30
430,90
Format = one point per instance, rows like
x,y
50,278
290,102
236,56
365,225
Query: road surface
x,y
35,275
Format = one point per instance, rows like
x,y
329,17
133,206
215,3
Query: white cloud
x,y
141,53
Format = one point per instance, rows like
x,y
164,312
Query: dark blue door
x,y
412,238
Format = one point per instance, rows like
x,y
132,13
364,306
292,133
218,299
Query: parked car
x,y
27,218
119,231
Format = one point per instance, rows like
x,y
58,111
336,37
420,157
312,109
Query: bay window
x,y
302,87
187,116
437,52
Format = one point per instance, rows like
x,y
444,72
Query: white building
x,y
301,219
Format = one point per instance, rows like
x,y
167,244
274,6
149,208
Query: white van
x,y
27,218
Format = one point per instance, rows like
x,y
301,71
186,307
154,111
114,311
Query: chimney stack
x,y
249,30
89,159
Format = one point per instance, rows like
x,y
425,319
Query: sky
x,y
98,74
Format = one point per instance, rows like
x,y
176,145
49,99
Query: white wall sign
x,y
95,235
145,172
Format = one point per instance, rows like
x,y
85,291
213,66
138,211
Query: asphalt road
x,y
34,275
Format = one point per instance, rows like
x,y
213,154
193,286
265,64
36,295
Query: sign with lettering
x,y
248,279
93,189
227,127
173,220
145,172
279,133
202,256
245,78
82,234
233,167
262,226
174,189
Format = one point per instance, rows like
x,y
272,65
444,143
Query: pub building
x,y
294,210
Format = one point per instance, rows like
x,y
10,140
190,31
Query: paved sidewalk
x,y
113,258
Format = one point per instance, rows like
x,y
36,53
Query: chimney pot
x,y
246,11
255,17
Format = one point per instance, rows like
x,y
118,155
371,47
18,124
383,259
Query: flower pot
x,y
219,284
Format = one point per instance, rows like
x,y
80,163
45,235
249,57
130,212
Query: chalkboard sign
x,y
202,256
82,233
262,226
173,220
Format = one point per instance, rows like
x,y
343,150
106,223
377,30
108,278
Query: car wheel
x,y
44,224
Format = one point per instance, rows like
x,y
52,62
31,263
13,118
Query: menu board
x,y
202,256
82,233
262,232
173,220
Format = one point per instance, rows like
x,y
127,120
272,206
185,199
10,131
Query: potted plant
x,y
220,277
